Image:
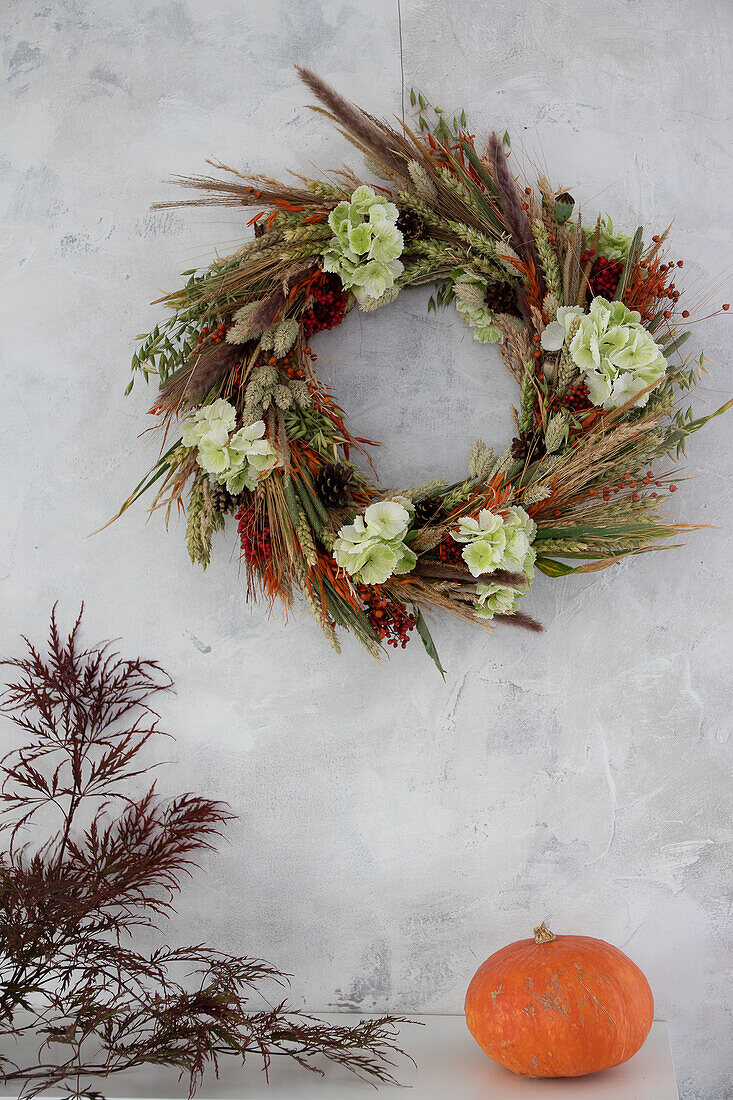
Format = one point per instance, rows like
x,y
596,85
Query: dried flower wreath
x,y
587,320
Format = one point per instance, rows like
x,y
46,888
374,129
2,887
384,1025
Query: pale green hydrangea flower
x,y
372,548
494,599
214,422
485,539
236,460
497,541
387,518
554,335
618,356
251,458
406,503
611,243
520,530
213,456
366,244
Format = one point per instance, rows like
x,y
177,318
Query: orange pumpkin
x,y
559,1006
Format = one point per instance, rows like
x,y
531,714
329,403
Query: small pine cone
x,y
221,499
500,298
430,512
334,485
527,444
410,224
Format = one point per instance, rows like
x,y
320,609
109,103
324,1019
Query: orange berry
x,y
673,488
726,305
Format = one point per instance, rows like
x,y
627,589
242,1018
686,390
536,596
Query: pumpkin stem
x,y
542,934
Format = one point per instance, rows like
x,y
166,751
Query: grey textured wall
x,y
393,829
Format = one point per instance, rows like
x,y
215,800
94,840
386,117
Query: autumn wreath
x,y
587,320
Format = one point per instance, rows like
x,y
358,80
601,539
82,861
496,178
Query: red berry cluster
x,y
217,334
390,618
449,551
288,366
604,275
329,305
576,399
255,539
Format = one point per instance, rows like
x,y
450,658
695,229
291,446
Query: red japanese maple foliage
x,y
87,862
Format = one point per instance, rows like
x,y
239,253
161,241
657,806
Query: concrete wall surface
x,y
392,830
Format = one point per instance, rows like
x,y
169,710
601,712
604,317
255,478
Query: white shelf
x,y
450,1066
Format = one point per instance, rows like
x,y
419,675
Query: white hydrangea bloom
x,y
387,519
485,540
497,541
366,244
236,460
494,599
554,335
251,458
372,548
213,422
618,356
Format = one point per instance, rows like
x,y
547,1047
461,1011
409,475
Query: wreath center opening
x,y
419,385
